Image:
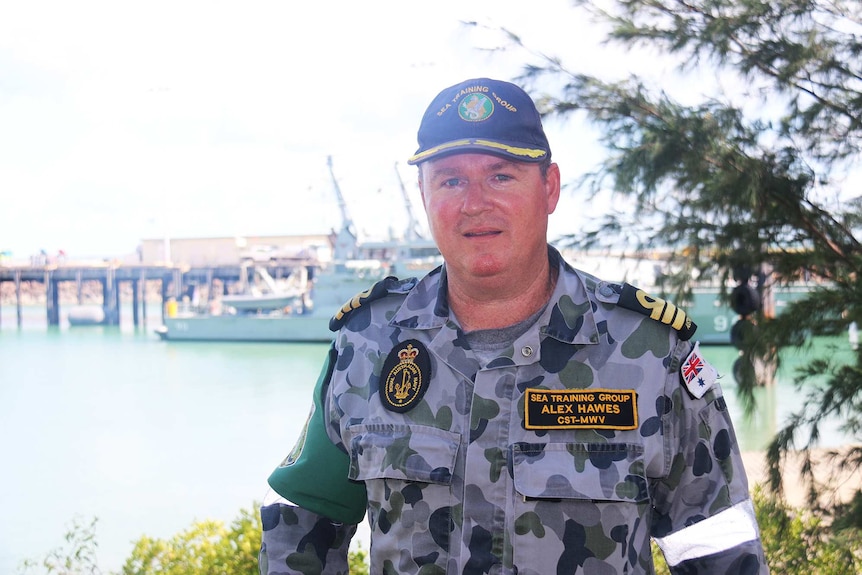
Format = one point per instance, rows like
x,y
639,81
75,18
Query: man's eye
x,y
451,182
503,177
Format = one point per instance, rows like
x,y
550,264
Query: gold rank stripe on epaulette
x,y
385,286
352,304
658,309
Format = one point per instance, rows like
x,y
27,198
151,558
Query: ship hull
x,y
250,328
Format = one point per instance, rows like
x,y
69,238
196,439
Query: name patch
x,y
580,409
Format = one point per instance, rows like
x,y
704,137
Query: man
x,y
508,413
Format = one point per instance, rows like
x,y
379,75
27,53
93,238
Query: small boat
x,y
271,327
300,310
305,319
86,315
271,297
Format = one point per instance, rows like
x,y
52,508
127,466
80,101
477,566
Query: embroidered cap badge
x,y
475,108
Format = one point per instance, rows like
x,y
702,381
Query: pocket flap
x,y
411,453
595,471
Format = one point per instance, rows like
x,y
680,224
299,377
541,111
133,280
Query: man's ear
x,y
421,187
552,183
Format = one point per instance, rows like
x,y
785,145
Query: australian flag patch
x,y
698,375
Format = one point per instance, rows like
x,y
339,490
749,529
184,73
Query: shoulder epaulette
x,y
386,286
638,300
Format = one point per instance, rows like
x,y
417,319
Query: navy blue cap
x,y
482,115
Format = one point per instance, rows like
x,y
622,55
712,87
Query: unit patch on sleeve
x,y
296,452
405,376
698,375
580,409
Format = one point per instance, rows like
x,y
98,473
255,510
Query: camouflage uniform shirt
x,y
566,454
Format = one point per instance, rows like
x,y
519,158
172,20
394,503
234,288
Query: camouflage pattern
x,y
456,484
297,541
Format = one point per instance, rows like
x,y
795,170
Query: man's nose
x,y
476,199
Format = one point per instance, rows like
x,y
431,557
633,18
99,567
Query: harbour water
x,y
150,436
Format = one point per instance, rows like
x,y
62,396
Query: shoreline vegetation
x,y
841,485
797,542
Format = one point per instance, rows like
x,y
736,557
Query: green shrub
x,y
76,557
210,547
796,542
207,547
357,561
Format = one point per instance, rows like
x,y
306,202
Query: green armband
x,y
314,474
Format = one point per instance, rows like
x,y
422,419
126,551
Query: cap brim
x,y
506,149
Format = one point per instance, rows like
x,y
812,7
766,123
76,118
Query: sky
x,y
123,121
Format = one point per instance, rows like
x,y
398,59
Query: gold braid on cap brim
x,y
513,150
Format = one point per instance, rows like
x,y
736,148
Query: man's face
x,y
489,215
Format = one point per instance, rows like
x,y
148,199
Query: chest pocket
x,y
407,472
593,471
581,507
402,452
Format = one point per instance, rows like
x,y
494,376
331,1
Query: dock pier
x,y
176,281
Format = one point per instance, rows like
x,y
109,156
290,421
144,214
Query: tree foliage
x,y
76,556
211,547
206,547
795,542
748,183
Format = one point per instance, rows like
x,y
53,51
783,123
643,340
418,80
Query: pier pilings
x,y
176,280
